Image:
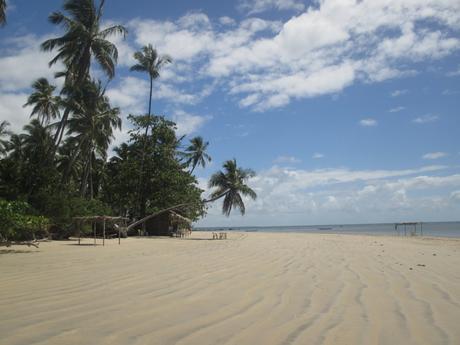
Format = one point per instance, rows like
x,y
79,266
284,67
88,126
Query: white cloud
x,y
448,92
286,159
188,123
227,21
397,93
23,62
454,73
426,119
396,109
434,155
318,156
368,122
257,6
455,195
331,45
12,110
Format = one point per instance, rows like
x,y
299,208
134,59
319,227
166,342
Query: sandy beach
x,y
254,288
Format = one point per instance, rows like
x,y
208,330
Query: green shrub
x,y
18,223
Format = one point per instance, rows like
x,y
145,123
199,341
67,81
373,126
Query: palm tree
x,y
149,61
15,147
3,133
45,104
83,40
231,185
195,154
92,125
36,140
2,12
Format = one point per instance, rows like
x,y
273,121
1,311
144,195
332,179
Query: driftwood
x,y
20,243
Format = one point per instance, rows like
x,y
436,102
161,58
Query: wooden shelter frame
x,y
80,221
412,225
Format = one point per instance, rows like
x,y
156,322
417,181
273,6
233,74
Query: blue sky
x,y
347,110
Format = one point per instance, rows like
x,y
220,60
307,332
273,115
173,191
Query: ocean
x,y
434,229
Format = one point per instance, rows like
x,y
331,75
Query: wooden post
x,y
94,230
103,231
119,236
79,231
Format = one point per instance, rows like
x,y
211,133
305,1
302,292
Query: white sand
x,y
253,288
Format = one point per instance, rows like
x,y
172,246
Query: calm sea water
x,y
436,229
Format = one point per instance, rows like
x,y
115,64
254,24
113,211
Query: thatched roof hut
x,y
167,224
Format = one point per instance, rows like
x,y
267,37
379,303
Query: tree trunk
x,y
84,182
142,196
91,187
65,176
175,207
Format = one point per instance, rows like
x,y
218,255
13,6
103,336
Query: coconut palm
x,y
67,162
4,132
36,141
151,62
2,12
231,185
45,104
195,154
92,126
83,40
15,147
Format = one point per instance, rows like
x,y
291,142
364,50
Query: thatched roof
x,y
100,218
181,220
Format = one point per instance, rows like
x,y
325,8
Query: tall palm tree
x,y
92,126
149,61
2,12
195,154
4,132
83,40
45,104
231,185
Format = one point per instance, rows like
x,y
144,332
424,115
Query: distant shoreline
x,y
449,229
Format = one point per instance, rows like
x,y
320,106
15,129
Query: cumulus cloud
x,y
257,6
188,123
320,50
23,62
434,155
425,119
397,93
454,73
368,122
396,109
12,110
317,155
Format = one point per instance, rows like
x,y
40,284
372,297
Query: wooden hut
x,y
168,224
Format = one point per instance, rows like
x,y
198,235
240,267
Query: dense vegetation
x,y
59,166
